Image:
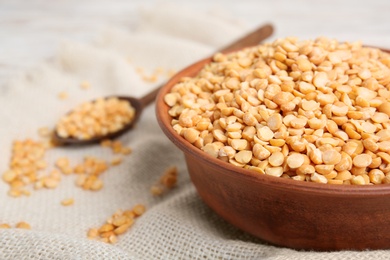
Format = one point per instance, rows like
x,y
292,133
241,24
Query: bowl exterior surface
x,y
290,217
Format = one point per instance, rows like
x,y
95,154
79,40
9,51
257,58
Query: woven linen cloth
x,y
177,225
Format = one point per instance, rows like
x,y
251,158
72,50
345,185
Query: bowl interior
x,y
164,120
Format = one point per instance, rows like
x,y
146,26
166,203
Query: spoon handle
x,y
250,39
150,97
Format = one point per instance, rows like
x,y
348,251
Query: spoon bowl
x,y
134,102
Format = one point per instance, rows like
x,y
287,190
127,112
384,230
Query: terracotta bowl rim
x,y
164,120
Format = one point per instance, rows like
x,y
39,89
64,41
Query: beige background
x,y
51,46
31,30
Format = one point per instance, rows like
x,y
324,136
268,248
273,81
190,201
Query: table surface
x,y
31,30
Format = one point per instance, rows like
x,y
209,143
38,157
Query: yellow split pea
x,y
307,110
167,181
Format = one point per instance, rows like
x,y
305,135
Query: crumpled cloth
x,y
177,225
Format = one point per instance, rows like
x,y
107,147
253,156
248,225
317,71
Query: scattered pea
x,y
119,223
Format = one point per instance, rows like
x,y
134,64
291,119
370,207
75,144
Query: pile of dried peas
x,y
97,118
307,110
117,224
26,162
28,167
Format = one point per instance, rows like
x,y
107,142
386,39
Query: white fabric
x,y
177,225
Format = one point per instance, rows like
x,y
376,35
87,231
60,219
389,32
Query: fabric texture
x,y
177,225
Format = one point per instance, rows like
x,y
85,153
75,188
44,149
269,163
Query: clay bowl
x,y
284,212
